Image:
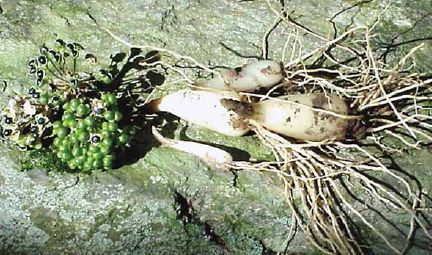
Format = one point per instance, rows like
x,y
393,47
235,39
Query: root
x,y
339,193
324,190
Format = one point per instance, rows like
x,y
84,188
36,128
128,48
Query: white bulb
x,y
250,77
204,108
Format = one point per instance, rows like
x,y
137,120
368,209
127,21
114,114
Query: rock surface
x,y
168,202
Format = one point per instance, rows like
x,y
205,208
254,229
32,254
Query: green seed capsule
x,y
68,116
74,103
87,166
98,155
105,125
90,154
74,138
84,148
112,126
67,155
66,142
118,116
104,149
63,148
81,124
109,115
107,134
57,124
73,123
94,148
97,164
82,110
83,136
79,161
123,138
57,142
71,164
111,99
66,106
76,151
107,162
61,132
90,158
90,122
44,98
107,141
66,123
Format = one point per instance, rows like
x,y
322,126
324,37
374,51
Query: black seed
x,y
7,132
55,55
78,46
31,91
33,129
56,114
70,46
32,62
118,57
43,50
36,95
8,120
38,81
95,139
75,53
32,70
41,121
40,74
42,60
61,42
91,58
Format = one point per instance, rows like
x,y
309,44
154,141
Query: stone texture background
x,y
132,210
